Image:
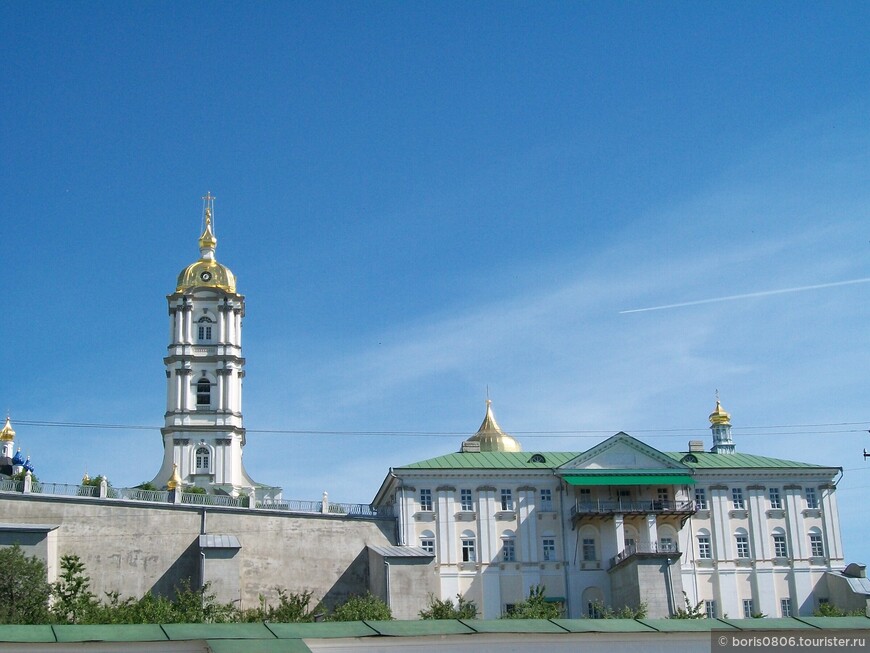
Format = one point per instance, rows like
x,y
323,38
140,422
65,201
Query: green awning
x,y
629,479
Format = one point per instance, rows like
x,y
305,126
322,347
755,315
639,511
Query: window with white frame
x,y
812,497
589,549
546,499
710,609
785,607
427,542
508,547
775,499
203,392
426,500
780,549
202,459
817,547
507,500
548,544
705,551
742,541
203,330
700,498
469,553
466,503
747,609
737,498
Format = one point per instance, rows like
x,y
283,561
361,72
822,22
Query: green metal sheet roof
x,y
787,623
514,626
603,626
495,460
686,625
707,460
110,633
554,459
837,623
419,628
628,477
15,633
257,646
325,629
218,631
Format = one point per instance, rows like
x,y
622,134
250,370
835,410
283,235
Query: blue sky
x,y
422,201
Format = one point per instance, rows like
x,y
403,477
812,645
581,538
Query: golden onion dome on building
x,y
719,415
491,437
174,480
7,434
206,272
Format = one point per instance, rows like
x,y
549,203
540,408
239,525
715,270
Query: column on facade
x,y
237,313
222,324
405,496
763,582
488,537
720,522
221,389
527,525
188,323
651,533
446,532
758,527
831,523
178,323
184,385
794,519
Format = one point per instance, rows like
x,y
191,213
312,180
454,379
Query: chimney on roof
x,y
696,445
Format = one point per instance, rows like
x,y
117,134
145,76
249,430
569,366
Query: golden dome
x,y
491,437
175,480
7,434
206,272
719,416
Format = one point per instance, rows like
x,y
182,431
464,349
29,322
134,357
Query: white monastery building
x,y
622,524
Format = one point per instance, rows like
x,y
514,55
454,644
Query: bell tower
x,y
203,433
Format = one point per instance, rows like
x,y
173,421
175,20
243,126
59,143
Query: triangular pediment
x,y
622,452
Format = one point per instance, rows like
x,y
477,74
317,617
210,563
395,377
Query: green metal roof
x,y
554,459
321,630
420,628
707,460
514,626
785,623
686,625
218,631
495,460
837,623
110,633
603,626
628,477
15,633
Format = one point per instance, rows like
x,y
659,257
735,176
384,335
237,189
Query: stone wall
x,y
135,547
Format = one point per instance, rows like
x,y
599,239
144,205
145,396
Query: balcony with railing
x,y
649,550
629,507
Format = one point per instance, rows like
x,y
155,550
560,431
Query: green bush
x,y
24,588
445,609
362,608
535,607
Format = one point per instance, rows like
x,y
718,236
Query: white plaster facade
x,y
589,526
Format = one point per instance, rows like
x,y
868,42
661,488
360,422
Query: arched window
x,y
204,327
817,545
780,546
667,538
705,548
537,458
508,546
469,552
427,542
203,392
202,459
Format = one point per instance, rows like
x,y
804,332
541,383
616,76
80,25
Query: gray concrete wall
x,y
648,579
136,548
411,581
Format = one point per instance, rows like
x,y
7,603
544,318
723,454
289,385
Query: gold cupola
x,y
207,272
490,436
719,415
175,480
7,434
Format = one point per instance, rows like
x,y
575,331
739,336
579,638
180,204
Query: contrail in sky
x,y
763,293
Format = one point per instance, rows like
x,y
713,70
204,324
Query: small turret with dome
x,y
490,437
11,463
207,271
720,425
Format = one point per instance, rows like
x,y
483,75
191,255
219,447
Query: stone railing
x,y
653,548
175,497
632,507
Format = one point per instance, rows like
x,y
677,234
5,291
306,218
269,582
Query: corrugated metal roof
x,y
707,460
401,552
110,633
219,542
16,633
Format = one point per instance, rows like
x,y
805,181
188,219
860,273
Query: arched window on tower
x,y
202,460
204,328
203,392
